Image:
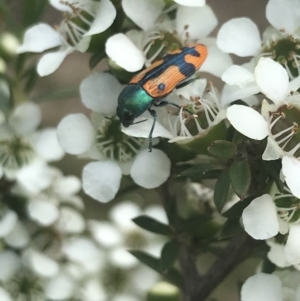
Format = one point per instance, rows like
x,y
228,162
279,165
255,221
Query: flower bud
x,y
9,45
164,291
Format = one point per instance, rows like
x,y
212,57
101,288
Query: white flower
x,y
273,81
115,154
95,17
133,50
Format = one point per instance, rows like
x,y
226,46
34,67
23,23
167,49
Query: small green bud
x,y
164,291
9,45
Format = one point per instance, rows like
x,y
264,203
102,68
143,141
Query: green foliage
x,y
152,225
169,255
222,149
221,190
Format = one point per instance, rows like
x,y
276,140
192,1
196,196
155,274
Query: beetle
x,y
149,87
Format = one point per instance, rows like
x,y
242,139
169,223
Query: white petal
x,y
52,60
123,213
124,53
247,121
260,218
190,16
99,92
217,61
276,254
4,295
42,264
70,221
157,212
25,118
122,259
144,13
19,237
36,176
46,145
105,233
10,263
272,151
66,186
239,36
292,247
43,212
237,75
192,3
272,79
58,4
75,134
94,291
262,287
105,16
60,287
39,38
7,222
283,15
151,169
142,129
232,93
291,173
101,180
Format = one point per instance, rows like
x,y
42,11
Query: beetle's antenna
x,y
140,121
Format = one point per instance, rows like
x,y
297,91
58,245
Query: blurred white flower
x,y
82,20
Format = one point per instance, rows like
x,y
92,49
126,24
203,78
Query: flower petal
x,y
121,258
105,16
292,247
150,170
19,237
124,53
262,287
66,186
101,180
70,221
192,3
291,173
276,254
46,145
10,264
187,20
39,38
239,36
143,13
272,79
60,287
7,222
247,121
237,75
272,151
260,218
52,60
42,264
43,212
99,92
217,61
25,118
283,15
75,134
231,93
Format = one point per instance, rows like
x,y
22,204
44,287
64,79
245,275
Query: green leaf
x,y
202,171
172,274
222,149
200,143
169,255
240,177
152,225
96,59
237,209
231,228
273,169
221,190
33,11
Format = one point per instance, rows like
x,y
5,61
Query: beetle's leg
x,y
165,103
154,115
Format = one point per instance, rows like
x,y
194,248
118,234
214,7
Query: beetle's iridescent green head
x,y
133,102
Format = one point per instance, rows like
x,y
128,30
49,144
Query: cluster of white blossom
x,y
272,73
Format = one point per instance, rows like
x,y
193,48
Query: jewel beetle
x,y
149,87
